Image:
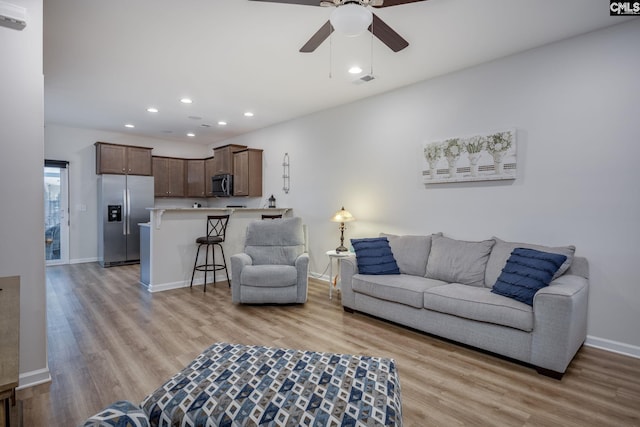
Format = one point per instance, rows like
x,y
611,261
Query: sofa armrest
x,y
302,268
119,413
560,322
238,262
348,268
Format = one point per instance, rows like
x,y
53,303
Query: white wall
x,y
575,106
21,174
76,146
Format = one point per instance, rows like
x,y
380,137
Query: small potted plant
x,y
497,145
452,150
432,154
473,146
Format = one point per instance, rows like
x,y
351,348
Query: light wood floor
x,y
109,339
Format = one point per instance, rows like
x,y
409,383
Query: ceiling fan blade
x,y
387,35
387,3
317,39
302,2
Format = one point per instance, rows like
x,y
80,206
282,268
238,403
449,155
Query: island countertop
x,y
171,242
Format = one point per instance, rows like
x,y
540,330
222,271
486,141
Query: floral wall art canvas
x,y
486,157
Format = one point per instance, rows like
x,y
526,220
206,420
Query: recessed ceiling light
x,y
186,101
355,70
222,123
129,125
191,134
248,114
152,110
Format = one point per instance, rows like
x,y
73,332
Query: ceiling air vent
x,y
13,16
363,79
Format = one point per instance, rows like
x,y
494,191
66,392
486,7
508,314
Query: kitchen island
x,y
168,243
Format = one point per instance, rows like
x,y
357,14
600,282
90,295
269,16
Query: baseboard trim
x,y
83,260
165,286
34,378
317,276
613,346
174,285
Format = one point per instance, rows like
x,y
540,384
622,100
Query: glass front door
x,y
56,215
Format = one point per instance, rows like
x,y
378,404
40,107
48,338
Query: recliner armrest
x,y
302,267
238,262
302,260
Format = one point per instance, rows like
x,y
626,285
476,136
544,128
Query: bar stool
x,y
265,216
216,229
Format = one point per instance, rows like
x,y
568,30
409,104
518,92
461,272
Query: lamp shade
x,y
351,19
342,216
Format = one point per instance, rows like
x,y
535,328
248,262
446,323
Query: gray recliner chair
x,y
274,265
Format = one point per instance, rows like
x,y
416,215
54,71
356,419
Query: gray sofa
x,y
444,289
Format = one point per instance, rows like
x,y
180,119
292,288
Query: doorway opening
x,y
56,212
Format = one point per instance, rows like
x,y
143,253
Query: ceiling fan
x,y
358,14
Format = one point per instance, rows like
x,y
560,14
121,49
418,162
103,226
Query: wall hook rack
x,y
285,173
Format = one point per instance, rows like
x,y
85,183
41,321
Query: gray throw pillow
x,y
458,261
411,252
502,251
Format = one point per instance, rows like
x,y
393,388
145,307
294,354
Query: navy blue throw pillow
x,y
526,272
374,256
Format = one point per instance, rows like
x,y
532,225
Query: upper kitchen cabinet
x,y
223,158
168,176
247,177
122,159
196,178
209,171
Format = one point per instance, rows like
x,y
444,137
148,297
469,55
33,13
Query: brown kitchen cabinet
x,y
122,159
196,178
209,171
247,176
223,158
169,176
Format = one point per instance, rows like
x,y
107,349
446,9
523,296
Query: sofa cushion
x,y
374,256
411,252
479,304
502,251
404,288
269,276
458,261
526,272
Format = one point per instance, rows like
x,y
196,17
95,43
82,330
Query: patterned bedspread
x,y
238,385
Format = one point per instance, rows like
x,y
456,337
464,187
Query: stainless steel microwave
x,y
222,185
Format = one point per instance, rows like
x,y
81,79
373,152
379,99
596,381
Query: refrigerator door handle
x,y
128,212
124,220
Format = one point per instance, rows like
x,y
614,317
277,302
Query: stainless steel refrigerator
x,y
123,201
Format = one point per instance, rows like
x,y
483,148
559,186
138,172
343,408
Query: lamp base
x,y
341,248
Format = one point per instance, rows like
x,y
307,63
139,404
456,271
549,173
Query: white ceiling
x,y
105,62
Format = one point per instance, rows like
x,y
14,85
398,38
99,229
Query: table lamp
x,y
342,216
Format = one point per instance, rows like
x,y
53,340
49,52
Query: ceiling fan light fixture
x,y
351,19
